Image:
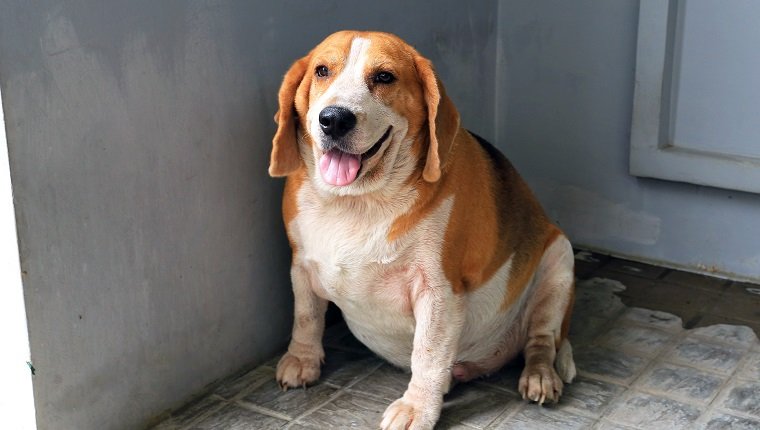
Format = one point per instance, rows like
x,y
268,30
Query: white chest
x,y
353,261
368,276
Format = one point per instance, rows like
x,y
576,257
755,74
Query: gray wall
x,y
151,242
565,93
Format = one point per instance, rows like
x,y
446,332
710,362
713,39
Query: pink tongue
x,y
338,167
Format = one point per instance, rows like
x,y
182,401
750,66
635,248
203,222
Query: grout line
x,y
708,408
720,341
341,390
605,420
247,390
610,380
205,415
357,380
315,408
723,392
506,415
260,409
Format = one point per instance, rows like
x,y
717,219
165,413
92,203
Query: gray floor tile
x,y
641,340
608,425
585,328
250,380
751,367
194,411
706,355
290,403
735,334
168,424
719,421
651,412
343,367
618,366
347,411
387,383
596,296
535,417
506,378
712,319
446,425
234,417
682,382
589,395
743,396
662,320
476,405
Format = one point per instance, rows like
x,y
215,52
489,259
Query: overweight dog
x,y
423,234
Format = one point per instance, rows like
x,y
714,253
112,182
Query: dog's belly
x,y
377,308
492,335
375,302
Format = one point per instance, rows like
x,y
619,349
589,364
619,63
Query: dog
x,y
423,234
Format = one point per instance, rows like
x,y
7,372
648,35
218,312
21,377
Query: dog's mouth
x,y
342,168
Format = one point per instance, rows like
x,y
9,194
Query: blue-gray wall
x,y
564,85
153,255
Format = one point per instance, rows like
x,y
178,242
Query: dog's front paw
x,y
540,384
404,414
293,371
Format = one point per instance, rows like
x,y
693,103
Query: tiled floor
x,y
638,368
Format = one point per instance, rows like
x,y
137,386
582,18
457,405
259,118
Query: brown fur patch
x,y
290,203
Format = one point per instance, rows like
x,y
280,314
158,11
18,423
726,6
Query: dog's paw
x,y
406,415
540,384
293,371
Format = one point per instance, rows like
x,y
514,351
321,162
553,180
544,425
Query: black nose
x,y
336,121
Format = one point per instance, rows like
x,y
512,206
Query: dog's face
x,y
366,105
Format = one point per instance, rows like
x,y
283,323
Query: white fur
x,y
370,278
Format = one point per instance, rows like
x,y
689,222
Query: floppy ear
x,y
286,157
443,120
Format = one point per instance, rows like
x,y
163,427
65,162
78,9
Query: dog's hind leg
x,y
547,349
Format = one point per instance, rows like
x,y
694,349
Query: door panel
x,y
697,96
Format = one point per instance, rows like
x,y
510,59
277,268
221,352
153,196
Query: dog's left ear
x,y
443,120
286,158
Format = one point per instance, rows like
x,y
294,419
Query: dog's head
x,y
360,110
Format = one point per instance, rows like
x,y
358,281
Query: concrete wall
x,y
565,94
152,249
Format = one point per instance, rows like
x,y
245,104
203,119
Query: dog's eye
x,y
322,71
384,78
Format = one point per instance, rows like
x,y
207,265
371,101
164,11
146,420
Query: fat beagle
x,y
423,234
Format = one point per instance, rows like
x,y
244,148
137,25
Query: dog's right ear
x,y
286,157
443,120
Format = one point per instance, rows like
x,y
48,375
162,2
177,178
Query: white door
x,y
696,114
